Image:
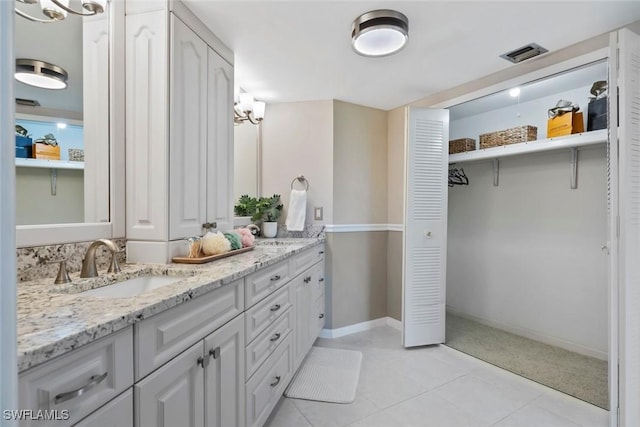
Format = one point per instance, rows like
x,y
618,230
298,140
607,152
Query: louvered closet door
x,y
629,237
425,227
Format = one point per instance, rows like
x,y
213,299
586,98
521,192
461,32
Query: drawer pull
x,y
321,279
275,307
93,381
276,277
321,252
276,337
307,279
321,316
276,382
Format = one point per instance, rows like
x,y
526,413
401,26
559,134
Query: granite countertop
x,y
55,319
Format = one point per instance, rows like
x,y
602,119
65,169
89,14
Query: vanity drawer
x,y
262,347
162,337
267,385
261,283
79,382
306,259
117,413
260,316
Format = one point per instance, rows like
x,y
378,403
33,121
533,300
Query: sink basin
x,y
132,287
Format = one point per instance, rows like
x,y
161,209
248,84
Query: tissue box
x,y
23,146
565,124
44,151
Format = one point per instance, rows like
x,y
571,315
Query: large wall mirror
x,y
247,160
70,188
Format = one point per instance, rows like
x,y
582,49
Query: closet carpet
x,y
571,373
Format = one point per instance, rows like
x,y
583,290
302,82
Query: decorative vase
x,y
269,229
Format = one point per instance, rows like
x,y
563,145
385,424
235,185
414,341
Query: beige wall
x,y
36,205
357,277
359,164
395,165
395,184
394,275
297,138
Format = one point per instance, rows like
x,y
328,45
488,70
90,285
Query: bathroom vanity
x,y
215,346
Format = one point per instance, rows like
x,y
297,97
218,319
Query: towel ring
x,y
302,180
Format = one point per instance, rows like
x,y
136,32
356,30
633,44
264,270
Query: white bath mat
x,y
327,375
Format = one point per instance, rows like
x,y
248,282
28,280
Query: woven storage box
x,y
509,136
461,145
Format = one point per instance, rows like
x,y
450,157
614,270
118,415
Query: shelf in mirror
x,y
49,164
550,144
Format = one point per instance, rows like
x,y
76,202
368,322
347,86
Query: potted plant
x,y
244,210
268,210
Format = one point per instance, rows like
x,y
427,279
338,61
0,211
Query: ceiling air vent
x,y
524,53
29,102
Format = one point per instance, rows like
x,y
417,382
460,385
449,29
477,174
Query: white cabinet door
x,y
188,124
302,319
117,413
220,145
425,232
224,385
147,166
174,394
628,234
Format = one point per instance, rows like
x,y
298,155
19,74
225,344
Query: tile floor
x,y
434,386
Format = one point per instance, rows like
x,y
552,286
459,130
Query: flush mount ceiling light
x,y
379,32
34,72
56,10
248,109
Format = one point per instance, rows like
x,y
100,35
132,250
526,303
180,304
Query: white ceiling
x,y
289,51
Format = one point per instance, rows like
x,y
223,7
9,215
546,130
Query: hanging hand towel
x,y
297,210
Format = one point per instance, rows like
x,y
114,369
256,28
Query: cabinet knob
x,y
276,382
203,361
321,316
321,279
215,352
321,252
208,225
275,307
274,278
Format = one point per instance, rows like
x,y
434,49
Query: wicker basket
x,y
461,145
509,136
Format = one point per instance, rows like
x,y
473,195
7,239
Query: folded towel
x,y
297,210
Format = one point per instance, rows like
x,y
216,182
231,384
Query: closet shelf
x,y
48,164
559,143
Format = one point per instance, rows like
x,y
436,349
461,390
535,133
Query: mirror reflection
x,y
246,141
62,134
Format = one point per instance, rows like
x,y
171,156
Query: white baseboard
x,y
527,333
361,327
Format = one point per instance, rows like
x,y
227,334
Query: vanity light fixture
x,y
34,72
379,32
57,10
249,109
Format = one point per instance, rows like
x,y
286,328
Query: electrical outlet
x,y
317,213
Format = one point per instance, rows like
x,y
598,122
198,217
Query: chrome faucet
x,y
89,261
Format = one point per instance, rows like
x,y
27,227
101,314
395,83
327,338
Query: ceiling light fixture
x,y
379,32
249,109
56,10
34,72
